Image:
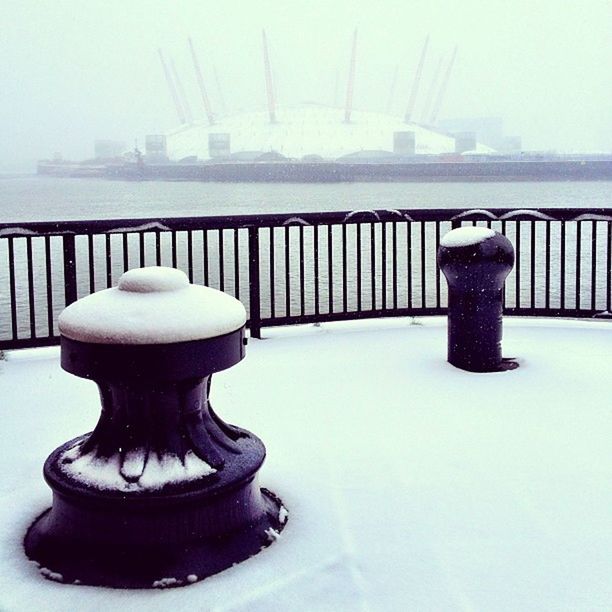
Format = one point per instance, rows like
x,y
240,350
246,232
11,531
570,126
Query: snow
x,y
272,534
308,129
283,513
51,575
154,305
165,582
152,279
412,485
526,212
16,231
144,227
465,236
134,473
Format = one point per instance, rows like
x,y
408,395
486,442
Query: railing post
x,y
70,283
254,284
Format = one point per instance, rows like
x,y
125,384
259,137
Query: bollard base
x,y
71,560
162,538
504,365
508,363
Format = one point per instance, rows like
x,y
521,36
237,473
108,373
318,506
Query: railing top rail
x,y
102,226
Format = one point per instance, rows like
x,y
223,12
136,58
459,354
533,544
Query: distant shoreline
x,y
338,172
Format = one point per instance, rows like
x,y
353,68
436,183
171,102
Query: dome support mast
x,y
200,78
181,93
441,93
351,82
269,85
172,88
416,83
430,92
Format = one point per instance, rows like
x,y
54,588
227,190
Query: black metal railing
x,y
304,268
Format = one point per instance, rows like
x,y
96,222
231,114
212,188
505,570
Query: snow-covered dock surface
x,y
410,485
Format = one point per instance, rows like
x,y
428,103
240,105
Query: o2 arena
x,y
318,143
306,132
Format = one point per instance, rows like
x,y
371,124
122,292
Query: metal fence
x,y
304,268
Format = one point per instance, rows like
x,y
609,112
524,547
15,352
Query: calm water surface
x,y
32,198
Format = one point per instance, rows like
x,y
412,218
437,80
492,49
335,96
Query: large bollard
x,y
476,262
163,492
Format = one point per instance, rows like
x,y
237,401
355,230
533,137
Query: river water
x,y
42,198
31,198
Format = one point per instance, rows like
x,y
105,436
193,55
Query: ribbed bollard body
x,y
162,492
475,262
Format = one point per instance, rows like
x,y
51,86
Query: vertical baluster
x,y
221,261
287,275
49,282
126,263
409,262
578,266
173,247
438,279
423,276
141,250
330,270
91,263
205,257
358,253
503,231
31,304
593,265
394,262
532,264
236,264
609,270
562,266
190,255
315,256
547,266
373,264
518,264
12,292
254,283
383,263
344,272
109,260
272,274
157,248
70,285
302,280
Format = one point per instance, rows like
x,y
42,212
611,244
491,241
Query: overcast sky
x,y
73,71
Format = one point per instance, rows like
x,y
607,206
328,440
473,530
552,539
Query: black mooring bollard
x,y
163,492
476,262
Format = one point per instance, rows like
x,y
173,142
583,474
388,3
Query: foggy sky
x,y
73,71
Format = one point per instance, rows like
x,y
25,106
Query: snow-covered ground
x,y
411,485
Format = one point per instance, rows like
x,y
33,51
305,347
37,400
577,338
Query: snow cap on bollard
x,y
476,261
163,492
155,305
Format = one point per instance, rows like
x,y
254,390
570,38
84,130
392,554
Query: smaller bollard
x,y
162,493
476,262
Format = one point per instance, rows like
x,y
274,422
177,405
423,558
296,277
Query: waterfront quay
x,y
441,170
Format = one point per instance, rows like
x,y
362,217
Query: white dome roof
x,y
307,130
